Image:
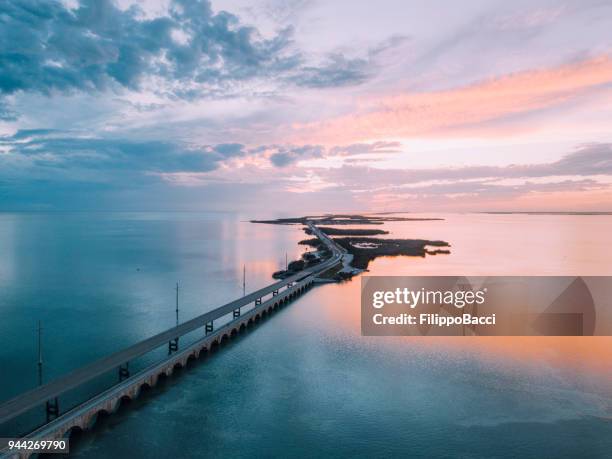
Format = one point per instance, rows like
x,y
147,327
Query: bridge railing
x,y
50,391
81,415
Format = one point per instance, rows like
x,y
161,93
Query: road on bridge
x,y
39,395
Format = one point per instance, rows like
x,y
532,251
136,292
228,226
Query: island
x,y
361,248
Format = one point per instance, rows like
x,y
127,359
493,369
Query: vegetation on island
x,y
366,249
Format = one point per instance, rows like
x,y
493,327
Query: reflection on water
x,y
489,245
498,245
305,382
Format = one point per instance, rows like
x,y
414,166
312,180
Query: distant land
x,y
341,219
545,213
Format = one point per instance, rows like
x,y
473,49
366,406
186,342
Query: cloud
x,y
283,156
581,179
366,148
588,160
189,52
46,46
50,169
49,153
562,195
469,109
491,188
336,71
53,166
228,150
6,114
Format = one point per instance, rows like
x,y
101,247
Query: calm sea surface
x,y
305,383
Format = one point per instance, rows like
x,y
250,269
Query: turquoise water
x,y
304,383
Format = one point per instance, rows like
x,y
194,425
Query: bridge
x,y
83,416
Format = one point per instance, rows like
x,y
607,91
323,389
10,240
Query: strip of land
x,y
359,247
341,219
366,249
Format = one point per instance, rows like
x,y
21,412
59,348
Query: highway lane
x,y
39,395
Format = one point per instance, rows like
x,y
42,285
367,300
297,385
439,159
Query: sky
x,y
306,105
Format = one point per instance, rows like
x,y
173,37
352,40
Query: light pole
x,y
40,361
177,308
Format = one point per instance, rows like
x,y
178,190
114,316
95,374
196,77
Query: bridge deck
x,y
39,395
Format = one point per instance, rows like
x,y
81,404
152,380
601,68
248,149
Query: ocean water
x,y
304,383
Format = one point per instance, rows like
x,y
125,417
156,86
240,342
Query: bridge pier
x,y
124,371
130,385
173,346
52,407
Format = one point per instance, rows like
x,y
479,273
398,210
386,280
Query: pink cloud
x,y
474,110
